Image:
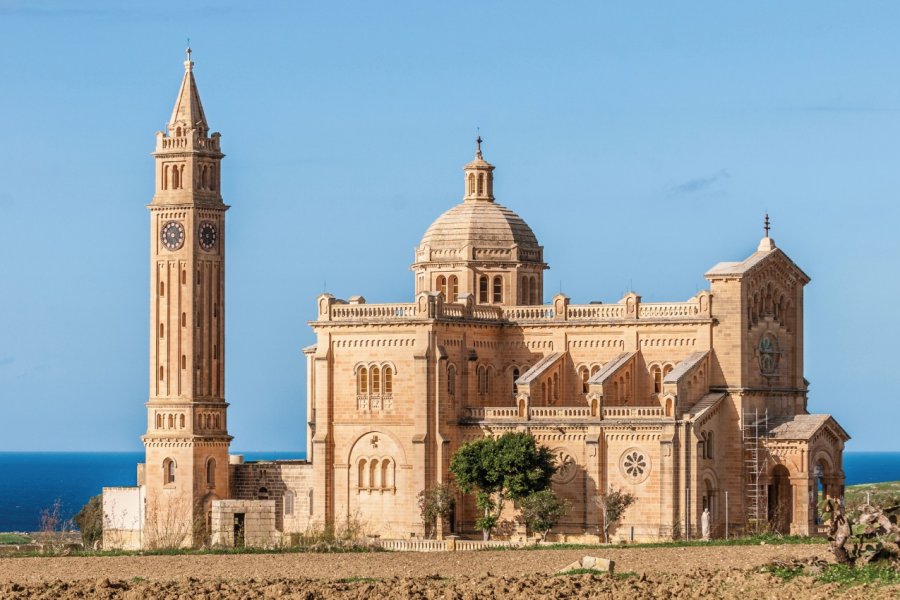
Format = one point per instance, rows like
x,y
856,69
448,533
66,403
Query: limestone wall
x,y
123,517
289,484
258,523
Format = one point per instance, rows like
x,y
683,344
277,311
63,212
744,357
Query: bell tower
x,y
187,437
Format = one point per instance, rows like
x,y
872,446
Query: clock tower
x,y
187,437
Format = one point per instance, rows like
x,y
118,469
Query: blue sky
x,y
643,143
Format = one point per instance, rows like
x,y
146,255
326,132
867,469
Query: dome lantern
x,y
479,177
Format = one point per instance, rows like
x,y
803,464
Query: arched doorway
x,y
781,500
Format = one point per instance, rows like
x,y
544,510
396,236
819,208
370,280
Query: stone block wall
x,y
259,523
289,484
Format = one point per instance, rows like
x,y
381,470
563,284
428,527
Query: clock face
x,y
208,235
172,235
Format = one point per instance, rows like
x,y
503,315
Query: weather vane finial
x,y
767,225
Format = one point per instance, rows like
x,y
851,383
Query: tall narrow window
x,y
162,288
183,361
454,288
288,503
533,288
498,289
181,421
442,285
451,380
211,472
162,330
585,375
183,276
657,380
361,483
388,380
524,296
168,471
171,420
159,421
165,177
376,380
384,474
515,377
362,380
184,319
162,373
481,184
483,289
471,184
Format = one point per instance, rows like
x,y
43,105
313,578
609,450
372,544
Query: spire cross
x,y
478,141
189,48
766,225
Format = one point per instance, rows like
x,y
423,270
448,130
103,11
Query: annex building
x,y
688,405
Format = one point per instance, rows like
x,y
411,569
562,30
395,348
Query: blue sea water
x,y
33,481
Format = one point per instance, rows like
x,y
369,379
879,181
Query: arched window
x,y
442,285
483,290
524,296
361,482
454,288
184,319
165,177
183,361
668,407
657,379
216,421
162,330
498,289
388,380
384,474
481,184
534,291
211,472
176,179
585,375
288,503
374,474
544,392
471,184
181,421
515,377
376,380
171,421
263,493
162,288
451,380
555,387
362,381
666,370
168,471
159,421
183,276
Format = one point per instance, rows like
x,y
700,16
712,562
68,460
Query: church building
x,y
690,405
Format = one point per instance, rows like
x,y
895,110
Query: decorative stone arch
x,y
358,449
669,405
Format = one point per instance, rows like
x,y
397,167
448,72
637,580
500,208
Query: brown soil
x,y
718,571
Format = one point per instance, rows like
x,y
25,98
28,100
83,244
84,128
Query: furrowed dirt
x,y
717,571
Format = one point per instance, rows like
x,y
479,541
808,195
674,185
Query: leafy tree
x,y
90,521
510,467
436,503
542,510
613,503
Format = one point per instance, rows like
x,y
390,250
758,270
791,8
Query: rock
x,y
590,562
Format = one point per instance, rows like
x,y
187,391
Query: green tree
x,y
499,469
542,510
613,504
436,503
90,521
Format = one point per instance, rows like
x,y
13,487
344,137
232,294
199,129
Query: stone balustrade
x,y
488,413
633,412
430,305
560,412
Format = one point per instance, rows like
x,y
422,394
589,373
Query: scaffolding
x,y
754,428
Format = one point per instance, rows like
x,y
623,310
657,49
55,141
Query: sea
x,y
32,482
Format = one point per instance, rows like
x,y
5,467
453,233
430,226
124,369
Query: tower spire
x,y
766,244
188,112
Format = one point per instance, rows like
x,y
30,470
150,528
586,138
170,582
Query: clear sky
x,y
642,141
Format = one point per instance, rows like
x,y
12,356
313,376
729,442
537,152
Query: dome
x,y
482,225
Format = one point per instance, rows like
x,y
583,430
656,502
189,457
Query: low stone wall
x,y
258,523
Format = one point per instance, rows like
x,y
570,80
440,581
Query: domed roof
x,y
482,225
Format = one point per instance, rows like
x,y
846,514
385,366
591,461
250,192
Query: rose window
x,y
634,465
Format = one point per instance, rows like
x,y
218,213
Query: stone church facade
x,y
686,405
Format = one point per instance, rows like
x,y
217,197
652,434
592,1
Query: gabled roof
x,y
541,366
765,252
611,367
706,404
802,427
682,368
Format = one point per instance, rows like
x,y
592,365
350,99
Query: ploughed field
x,y
668,572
